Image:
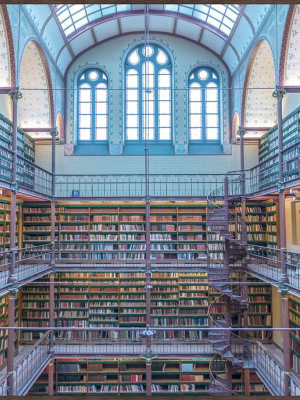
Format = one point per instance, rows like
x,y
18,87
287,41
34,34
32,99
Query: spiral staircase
x,y
231,350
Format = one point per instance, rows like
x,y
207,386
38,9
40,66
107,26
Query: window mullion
x,y
93,113
140,100
155,98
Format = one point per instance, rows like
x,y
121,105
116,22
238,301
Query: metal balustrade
x,y
133,185
30,262
131,342
4,385
268,368
28,368
29,175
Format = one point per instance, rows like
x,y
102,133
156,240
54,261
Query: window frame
x,y
93,84
203,84
157,68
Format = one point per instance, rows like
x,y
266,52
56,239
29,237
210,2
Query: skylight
x,y
220,16
74,16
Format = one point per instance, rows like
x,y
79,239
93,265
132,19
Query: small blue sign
x,y
75,193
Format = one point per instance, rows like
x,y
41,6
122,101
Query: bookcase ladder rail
x,y
29,367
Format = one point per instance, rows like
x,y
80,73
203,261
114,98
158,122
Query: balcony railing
x,y
131,342
29,175
266,262
268,368
28,368
30,262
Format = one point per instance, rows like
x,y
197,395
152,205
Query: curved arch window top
x,y
92,87
148,94
204,105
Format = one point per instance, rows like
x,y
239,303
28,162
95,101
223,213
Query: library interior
x,y
149,199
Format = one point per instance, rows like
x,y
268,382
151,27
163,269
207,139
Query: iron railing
x,y
29,175
28,368
30,262
269,369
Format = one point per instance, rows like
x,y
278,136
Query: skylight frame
x,y
73,17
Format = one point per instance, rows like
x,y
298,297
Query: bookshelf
x,y
128,377
294,317
116,231
25,148
268,147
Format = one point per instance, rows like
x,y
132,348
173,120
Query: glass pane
x,y
212,120
164,133
195,93
212,133
164,121
164,79
132,81
195,120
195,107
164,94
148,107
85,121
148,81
93,76
148,68
132,107
132,94
101,93
132,134
148,96
101,121
161,57
84,134
149,51
85,93
149,134
195,133
212,107
148,121
132,121
164,107
134,57
101,134
203,74
85,108
211,94
101,108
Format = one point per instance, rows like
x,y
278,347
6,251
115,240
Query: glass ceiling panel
x,y
220,16
74,16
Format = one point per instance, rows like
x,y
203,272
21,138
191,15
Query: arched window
x,y
204,105
92,87
154,108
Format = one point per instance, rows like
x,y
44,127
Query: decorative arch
x,y
7,57
258,104
60,125
235,125
36,109
289,73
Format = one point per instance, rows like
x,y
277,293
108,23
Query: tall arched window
x,y
92,87
154,108
204,109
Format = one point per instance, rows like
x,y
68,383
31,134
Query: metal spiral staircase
x,y
232,351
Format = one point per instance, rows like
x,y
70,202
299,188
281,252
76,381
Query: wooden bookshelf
x,y
25,148
294,317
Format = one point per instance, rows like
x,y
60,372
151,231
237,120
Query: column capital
x,y
12,292
241,132
53,132
283,290
279,93
14,187
15,94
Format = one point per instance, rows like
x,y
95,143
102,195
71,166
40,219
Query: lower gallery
x,y
149,200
